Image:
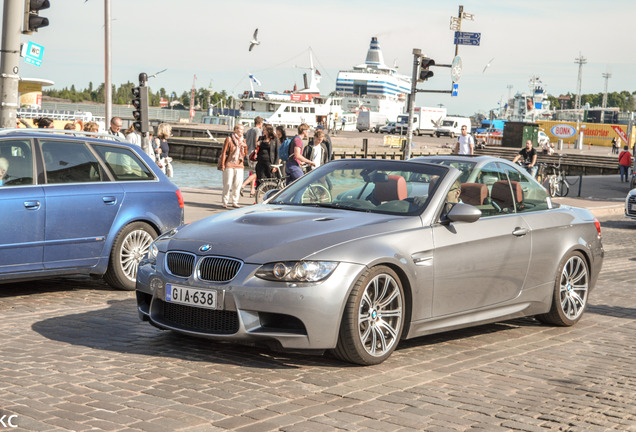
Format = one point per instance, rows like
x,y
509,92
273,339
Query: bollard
x,y
365,147
560,144
580,183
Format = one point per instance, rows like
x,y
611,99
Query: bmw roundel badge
x,y
205,248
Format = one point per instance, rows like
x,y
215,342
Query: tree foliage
x,y
122,95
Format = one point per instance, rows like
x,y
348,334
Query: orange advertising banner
x,y
593,133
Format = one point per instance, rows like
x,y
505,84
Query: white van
x,y
452,126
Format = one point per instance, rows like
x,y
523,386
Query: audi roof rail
x,y
103,135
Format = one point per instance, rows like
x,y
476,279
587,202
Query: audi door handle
x,y
32,205
109,200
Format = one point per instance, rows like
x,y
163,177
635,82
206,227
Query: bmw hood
x,y
265,233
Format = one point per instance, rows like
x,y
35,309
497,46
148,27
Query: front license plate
x,y
191,296
632,207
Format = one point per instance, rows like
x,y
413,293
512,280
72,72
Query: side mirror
x,y
463,213
270,193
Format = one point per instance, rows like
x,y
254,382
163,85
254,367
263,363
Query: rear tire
x,y
571,289
130,247
373,319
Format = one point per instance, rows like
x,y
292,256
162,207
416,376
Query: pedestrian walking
x,y
624,162
296,158
164,131
115,127
465,143
231,163
251,138
267,154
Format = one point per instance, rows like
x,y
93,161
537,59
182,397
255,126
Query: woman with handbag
x,y
267,154
231,163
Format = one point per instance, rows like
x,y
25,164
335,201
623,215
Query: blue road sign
x,y
34,53
455,89
465,38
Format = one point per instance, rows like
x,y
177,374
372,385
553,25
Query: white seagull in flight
x,y
488,65
254,40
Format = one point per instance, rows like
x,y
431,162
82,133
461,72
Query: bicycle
x,y
558,185
314,194
276,182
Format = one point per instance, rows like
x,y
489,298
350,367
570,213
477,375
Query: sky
x,y
210,39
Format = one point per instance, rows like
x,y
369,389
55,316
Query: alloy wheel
x,y
380,315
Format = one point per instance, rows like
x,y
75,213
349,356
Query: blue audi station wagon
x,y
74,204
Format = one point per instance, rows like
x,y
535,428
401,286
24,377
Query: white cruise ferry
x,y
373,86
291,108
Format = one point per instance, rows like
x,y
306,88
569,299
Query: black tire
x,y
571,289
263,188
437,135
368,333
130,246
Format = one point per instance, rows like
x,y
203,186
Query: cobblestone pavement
x,y
74,356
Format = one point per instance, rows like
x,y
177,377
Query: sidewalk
x,y
602,195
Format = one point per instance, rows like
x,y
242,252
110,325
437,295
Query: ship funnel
x,y
374,55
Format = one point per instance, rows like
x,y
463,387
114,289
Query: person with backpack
x,y
624,162
296,158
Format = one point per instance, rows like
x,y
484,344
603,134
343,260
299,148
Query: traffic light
x,y
425,73
140,113
32,19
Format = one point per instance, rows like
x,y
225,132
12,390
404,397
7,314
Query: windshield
x,y
465,167
448,123
374,186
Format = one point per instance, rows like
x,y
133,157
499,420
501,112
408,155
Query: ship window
x,y
287,109
359,88
307,110
270,107
293,109
312,110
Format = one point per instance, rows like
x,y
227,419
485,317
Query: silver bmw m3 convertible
x,y
359,254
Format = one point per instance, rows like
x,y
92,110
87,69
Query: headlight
x,y
153,251
296,271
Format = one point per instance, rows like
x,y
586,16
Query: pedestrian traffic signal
x,y
32,19
140,113
425,73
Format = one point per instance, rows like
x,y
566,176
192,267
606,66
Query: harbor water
x,y
192,174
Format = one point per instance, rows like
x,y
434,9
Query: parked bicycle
x,y
557,183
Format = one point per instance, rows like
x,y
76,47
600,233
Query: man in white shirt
x,y
465,143
317,150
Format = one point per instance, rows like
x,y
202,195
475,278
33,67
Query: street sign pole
x,y
11,21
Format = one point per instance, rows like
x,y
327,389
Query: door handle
x,y
520,232
109,200
32,205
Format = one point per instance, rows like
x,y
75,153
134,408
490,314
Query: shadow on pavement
x,y
612,311
118,329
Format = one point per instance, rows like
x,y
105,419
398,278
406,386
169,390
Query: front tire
x,y
373,318
571,290
130,247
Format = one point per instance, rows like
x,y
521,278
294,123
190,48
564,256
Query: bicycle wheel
x,y
561,186
263,188
316,193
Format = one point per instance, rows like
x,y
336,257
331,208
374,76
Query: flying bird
x,y
488,65
254,41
